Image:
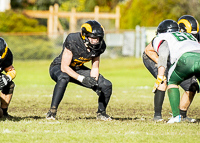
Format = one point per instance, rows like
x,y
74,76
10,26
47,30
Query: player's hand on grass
x,y
4,80
159,80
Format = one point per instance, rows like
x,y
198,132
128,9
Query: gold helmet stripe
x,y
4,54
187,25
87,27
102,28
197,26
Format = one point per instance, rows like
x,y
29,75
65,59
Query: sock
x,y
100,111
183,113
5,111
174,99
53,109
158,102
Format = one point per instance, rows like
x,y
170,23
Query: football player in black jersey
x,y
6,83
79,48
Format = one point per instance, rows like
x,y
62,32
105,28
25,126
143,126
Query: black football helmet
x,y
92,29
3,49
167,26
189,24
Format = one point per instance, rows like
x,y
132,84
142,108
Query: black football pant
x,y
62,79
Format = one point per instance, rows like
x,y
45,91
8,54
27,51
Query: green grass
x,y
131,107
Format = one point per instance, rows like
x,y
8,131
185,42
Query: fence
x,y
125,43
54,26
129,43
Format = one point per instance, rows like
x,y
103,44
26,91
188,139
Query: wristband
x,y
11,74
80,78
10,78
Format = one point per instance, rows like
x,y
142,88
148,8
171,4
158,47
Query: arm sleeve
x,y
163,54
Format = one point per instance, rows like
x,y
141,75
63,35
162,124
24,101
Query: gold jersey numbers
x,y
80,61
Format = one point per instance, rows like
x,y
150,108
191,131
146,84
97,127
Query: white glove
x,y
159,80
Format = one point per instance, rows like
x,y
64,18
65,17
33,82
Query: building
x,y
4,5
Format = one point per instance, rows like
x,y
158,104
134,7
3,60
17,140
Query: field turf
x,y
131,107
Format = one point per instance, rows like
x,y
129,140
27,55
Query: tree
x,y
16,22
151,13
34,4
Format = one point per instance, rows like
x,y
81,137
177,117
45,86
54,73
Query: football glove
x,y
159,80
4,80
89,81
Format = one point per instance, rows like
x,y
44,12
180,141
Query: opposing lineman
x,y
184,52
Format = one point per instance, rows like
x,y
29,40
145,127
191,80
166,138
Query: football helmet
x,y
3,49
167,26
189,24
92,29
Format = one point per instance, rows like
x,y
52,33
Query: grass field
x,y
131,107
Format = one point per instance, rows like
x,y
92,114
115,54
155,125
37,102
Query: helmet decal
x,y
102,28
197,26
187,24
3,48
87,28
4,54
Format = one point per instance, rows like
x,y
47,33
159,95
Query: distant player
x,y
6,83
183,50
79,48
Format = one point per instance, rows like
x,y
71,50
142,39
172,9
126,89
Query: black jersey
x,y
75,44
7,61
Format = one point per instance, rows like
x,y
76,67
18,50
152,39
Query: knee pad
x,y
194,87
9,88
190,84
64,76
106,86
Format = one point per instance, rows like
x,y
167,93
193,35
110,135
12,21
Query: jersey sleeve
x,y
68,42
163,54
156,42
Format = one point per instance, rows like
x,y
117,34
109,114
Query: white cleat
x,y
176,119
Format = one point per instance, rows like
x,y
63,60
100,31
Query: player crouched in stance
x,y
6,83
188,24
183,50
79,48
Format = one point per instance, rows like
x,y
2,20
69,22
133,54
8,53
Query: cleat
x,y
7,116
157,118
176,119
187,119
103,116
50,115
